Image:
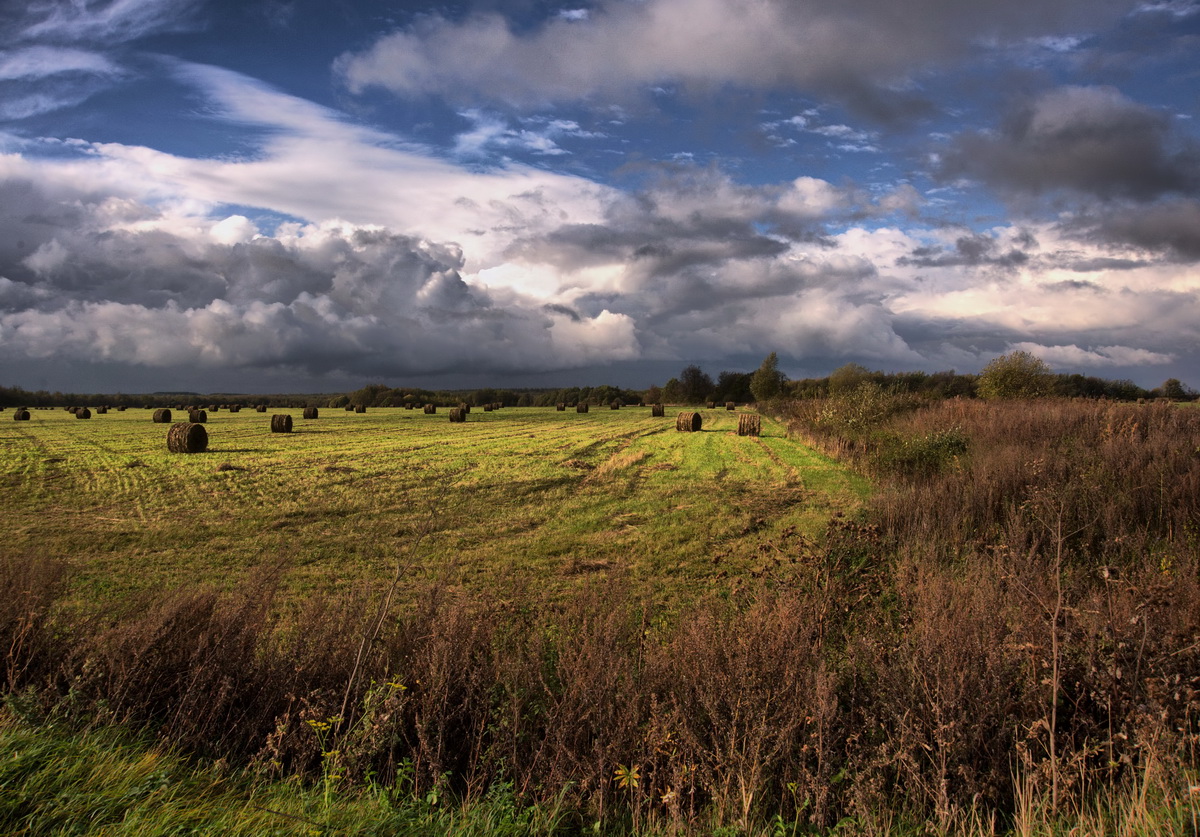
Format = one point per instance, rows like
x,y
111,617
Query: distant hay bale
x,y
487,408
749,424
235,408
261,408
187,437
465,407
21,415
310,412
688,422
100,411
408,405
458,414
615,404
212,408
711,404
582,408
281,423
349,408
121,409
730,405
658,411
361,408
83,413
496,405
197,416
561,407
430,409
162,415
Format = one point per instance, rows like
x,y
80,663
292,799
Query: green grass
x,y
512,498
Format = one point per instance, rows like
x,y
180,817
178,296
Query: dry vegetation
x,y
1010,634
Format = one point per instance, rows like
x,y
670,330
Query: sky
x,y
311,195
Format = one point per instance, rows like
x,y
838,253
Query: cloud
x,y
111,21
1170,227
1092,141
862,52
1100,356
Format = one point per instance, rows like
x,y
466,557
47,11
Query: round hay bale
x,y
688,422
408,405
83,413
496,405
349,408
730,405
561,407
465,407
658,411
21,415
162,415
487,408
213,408
235,408
615,404
430,409
100,411
749,424
310,412
711,404
281,423
458,414
582,408
261,408
187,437
121,409
197,416
361,408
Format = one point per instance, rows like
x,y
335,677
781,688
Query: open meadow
x,y
516,496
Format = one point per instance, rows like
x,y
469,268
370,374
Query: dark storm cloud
x,y
969,251
1091,141
118,281
1169,228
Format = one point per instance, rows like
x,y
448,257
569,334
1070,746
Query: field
x,y
507,499
982,618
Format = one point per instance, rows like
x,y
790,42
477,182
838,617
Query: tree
x,y
1015,375
696,384
767,382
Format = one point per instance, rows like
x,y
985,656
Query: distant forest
x,y
692,386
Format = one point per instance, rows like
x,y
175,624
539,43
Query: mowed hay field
x,y
509,499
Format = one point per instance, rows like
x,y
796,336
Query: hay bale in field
x,y
187,437
711,404
582,408
688,422
730,405
281,423
496,405
749,424
361,408
408,405
212,408
487,408
100,411
310,412
561,407
465,407
121,409
658,411
458,414
197,416
235,408
21,415
349,408
83,413
162,415
615,404
261,408
430,409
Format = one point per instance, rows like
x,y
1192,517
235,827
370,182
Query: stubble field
x,y
508,499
